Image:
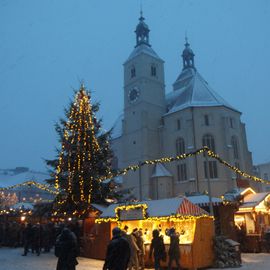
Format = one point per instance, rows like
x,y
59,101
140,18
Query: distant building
x,y
155,124
10,177
263,171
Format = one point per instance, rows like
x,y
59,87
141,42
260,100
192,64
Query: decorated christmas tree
x,y
84,159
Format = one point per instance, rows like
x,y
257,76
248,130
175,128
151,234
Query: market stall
x,y
195,226
253,219
95,236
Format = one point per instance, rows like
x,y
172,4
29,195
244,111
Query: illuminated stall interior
x,y
254,214
179,213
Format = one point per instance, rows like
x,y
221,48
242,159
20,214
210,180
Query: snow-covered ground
x,y
11,259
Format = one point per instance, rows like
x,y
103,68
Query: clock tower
x,y
144,105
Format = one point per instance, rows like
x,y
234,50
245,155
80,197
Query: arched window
x,y
208,140
234,143
180,146
153,71
132,72
182,172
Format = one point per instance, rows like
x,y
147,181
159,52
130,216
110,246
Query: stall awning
x,y
188,208
203,200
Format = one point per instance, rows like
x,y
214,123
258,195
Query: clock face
x,y
134,94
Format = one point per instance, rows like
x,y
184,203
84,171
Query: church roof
x,y
143,49
191,90
160,171
117,127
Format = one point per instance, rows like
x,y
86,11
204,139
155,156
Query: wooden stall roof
x,y
162,208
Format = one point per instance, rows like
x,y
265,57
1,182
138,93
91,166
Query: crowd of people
x,y
33,237
127,251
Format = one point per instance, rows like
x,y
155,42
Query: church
x,y
156,124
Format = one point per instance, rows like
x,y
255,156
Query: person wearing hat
x,y
118,252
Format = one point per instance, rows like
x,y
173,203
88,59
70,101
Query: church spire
x,y
142,32
188,56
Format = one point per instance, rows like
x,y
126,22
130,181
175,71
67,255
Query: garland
x,y
205,149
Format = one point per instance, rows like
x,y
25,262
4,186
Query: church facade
x,y
155,125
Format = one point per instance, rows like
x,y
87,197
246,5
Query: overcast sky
x,y
47,47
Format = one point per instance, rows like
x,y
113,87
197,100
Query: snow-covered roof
x,y
118,180
13,179
23,205
160,208
203,200
161,171
99,207
143,49
191,90
117,127
252,200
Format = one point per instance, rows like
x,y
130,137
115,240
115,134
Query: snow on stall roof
x,y
99,207
13,179
252,200
160,171
118,180
156,208
203,200
193,91
143,49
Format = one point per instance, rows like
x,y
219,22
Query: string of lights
x,y
174,218
32,183
205,149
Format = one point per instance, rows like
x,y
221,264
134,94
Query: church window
x,y
178,124
134,142
206,119
212,169
132,72
153,71
180,146
234,143
208,140
232,123
182,172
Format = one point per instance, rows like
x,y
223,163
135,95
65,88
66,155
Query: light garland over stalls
x,y
143,206
205,149
209,152
152,162
15,211
212,154
32,183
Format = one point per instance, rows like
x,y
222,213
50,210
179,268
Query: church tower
x,y
144,105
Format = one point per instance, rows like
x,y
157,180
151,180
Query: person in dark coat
x,y
174,251
36,239
118,252
66,249
157,245
27,238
